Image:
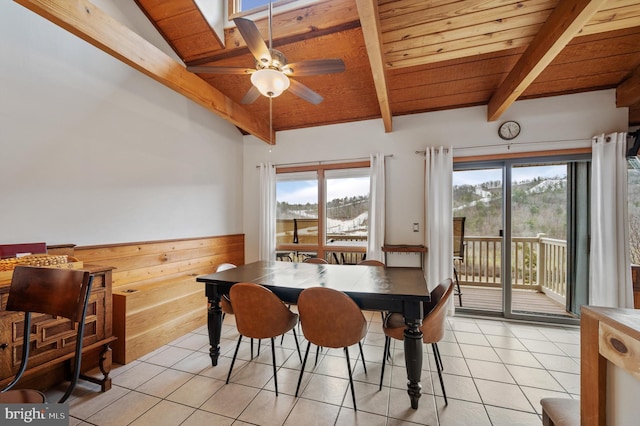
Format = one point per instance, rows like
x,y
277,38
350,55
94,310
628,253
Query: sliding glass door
x,y
526,230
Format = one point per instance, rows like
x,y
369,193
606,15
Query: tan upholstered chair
x,y
316,260
260,314
432,327
371,262
225,303
560,412
56,292
331,319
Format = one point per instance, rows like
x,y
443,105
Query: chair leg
x,y
252,348
295,337
353,392
273,356
387,343
233,361
364,365
306,354
438,367
436,351
458,292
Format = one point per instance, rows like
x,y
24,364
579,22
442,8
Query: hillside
x,y
539,206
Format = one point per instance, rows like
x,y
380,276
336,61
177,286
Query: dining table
x,y
375,288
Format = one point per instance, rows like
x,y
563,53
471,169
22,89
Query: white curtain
x,y
375,237
438,215
610,268
267,239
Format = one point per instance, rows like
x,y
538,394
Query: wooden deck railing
x,y
538,263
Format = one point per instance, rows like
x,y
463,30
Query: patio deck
x,y
490,299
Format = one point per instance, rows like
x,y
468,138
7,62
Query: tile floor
x,y
496,372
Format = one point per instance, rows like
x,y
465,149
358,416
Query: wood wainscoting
x,y
156,298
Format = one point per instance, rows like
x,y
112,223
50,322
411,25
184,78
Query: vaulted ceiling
x,y
401,56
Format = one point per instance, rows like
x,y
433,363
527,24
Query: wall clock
x,y
509,130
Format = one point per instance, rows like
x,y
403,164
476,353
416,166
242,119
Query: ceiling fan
x,y
272,72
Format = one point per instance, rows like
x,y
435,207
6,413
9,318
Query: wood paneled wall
x,y
156,298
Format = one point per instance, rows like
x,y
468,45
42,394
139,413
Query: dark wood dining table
x,y
376,288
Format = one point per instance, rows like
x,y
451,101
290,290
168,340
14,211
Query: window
x,y
239,8
322,211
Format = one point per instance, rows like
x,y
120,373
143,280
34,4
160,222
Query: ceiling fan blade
x,y
304,92
315,67
252,37
220,70
252,94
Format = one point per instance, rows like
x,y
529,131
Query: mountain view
x,y
539,206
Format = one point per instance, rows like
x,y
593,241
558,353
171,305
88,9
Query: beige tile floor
x,y
496,372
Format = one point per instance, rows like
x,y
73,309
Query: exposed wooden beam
x,y
85,20
562,25
628,92
371,30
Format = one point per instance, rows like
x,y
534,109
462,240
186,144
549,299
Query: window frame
x,y
235,8
321,247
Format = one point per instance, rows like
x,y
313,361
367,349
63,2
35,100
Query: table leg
x,y
214,326
413,359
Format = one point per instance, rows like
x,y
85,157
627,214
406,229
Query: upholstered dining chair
x,y
371,262
56,292
260,314
316,260
331,319
432,327
225,303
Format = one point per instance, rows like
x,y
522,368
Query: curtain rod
x,y
325,161
509,145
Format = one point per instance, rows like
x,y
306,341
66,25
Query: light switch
x,y
416,228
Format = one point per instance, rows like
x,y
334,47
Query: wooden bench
x,y
155,296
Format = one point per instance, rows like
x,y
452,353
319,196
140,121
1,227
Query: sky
x,y
301,192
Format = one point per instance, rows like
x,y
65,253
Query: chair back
x,y
224,266
225,303
57,292
371,262
330,318
458,237
433,323
260,314
316,260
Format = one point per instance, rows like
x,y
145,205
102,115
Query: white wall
x,y
94,152
564,122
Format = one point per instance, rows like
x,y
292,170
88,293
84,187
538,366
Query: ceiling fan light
x,y
270,83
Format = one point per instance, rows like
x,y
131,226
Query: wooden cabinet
x,y
53,338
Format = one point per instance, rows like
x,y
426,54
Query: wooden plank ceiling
x,y
411,56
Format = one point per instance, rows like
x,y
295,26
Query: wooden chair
x,y
260,314
432,327
331,319
56,292
458,251
316,260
